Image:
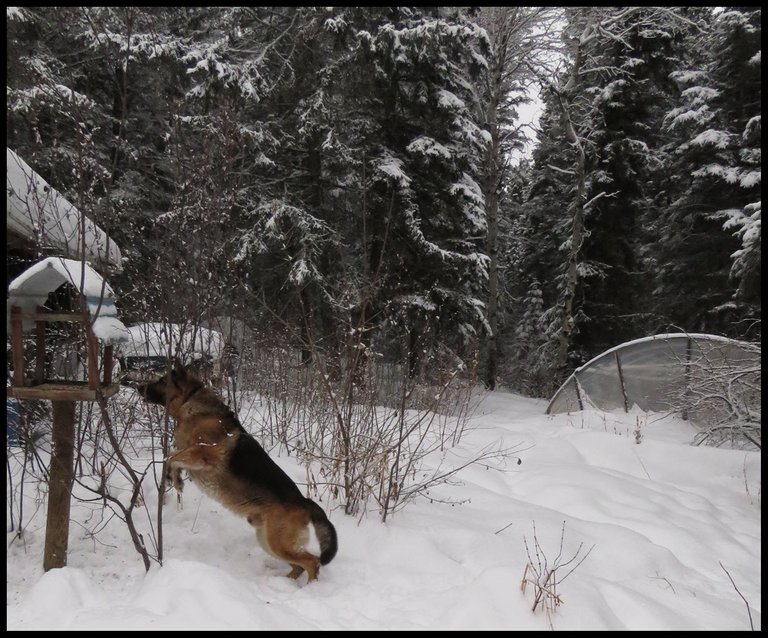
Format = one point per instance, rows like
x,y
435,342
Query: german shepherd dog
x,y
232,468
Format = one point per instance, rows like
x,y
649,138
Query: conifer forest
x,y
358,183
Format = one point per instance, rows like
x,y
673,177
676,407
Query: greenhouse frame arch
x,y
706,378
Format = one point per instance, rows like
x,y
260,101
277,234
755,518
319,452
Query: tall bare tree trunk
x,y
493,179
564,94
517,43
577,237
491,185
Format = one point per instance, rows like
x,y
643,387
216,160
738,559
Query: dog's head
x,y
172,385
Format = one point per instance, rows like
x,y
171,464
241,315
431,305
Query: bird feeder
x,y
95,312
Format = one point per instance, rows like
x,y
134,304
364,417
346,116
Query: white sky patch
x,y
528,118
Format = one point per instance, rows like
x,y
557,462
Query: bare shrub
x,y
722,394
363,431
545,576
27,450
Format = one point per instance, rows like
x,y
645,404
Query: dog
x,y
230,466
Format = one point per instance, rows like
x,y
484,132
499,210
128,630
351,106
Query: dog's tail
x,y
326,533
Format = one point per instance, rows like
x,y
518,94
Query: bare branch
x,y
749,612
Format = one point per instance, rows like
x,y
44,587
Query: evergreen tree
x,y
709,261
629,101
599,161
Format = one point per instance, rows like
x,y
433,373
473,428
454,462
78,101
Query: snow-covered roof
x,y
38,212
31,288
170,340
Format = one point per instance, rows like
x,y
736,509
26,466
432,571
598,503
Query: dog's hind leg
x,y
286,533
283,532
301,562
296,571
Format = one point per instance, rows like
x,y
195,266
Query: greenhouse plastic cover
x,y
650,373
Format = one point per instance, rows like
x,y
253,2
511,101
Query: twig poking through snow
x,y
751,624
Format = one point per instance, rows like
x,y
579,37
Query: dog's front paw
x,y
173,477
178,482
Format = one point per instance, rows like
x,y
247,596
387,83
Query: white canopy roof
x,y
31,288
38,212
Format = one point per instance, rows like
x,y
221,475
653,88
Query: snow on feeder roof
x,y
95,319
663,372
30,290
39,213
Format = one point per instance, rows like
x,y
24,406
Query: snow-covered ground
x,y
661,514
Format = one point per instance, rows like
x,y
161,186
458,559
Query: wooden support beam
x,y
57,390
17,347
108,364
40,348
60,485
93,357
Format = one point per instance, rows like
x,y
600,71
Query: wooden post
x,y
93,357
17,347
40,347
108,365
60,485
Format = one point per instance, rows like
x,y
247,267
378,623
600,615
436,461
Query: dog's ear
x,y
178,373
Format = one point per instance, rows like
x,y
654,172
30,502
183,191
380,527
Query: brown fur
x,y
231,467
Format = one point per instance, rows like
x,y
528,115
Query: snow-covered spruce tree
x,y
597,161
160,207
44,94
308,254
56,121
630,90
325,213
709,259
424,208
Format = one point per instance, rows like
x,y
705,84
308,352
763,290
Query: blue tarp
x,y
13,422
